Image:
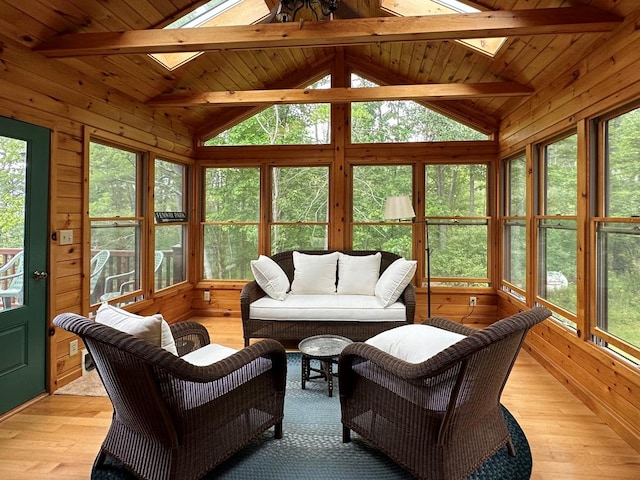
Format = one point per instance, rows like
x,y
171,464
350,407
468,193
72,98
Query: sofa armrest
x,y
250,293
408,297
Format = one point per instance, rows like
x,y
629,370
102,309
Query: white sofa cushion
x,y
414,343
154,329
270,277
358,274
327,307
394,280
208,354
314,274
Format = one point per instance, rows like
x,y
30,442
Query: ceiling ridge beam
x,y
433,91
544,21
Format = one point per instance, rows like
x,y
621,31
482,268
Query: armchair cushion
x,y
270,277
208,355
394,280
154,329
314,274
358,275
414,343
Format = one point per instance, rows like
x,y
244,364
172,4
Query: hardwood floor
x,y
57,438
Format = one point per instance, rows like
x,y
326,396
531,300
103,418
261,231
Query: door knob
x,y
40,275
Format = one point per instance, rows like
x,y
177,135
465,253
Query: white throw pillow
x,y
358,275
394,280
414,343
154,329
270,277
313,274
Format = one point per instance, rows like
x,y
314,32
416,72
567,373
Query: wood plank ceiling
x,y
527,61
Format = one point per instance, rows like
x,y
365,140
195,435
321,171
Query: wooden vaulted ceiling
x,y
106,40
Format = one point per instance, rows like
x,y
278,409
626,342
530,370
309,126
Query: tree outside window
x,y
231,221
299,208
458,225
371,187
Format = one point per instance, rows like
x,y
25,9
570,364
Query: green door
x,y
24,184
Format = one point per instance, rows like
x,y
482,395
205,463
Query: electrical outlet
x,y
472,301
207,296
66,237
73,348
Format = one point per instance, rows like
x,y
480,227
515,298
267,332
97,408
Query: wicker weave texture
x,y
297,330
440,419
174,420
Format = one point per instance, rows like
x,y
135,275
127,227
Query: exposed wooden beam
x,y
438,91
542,21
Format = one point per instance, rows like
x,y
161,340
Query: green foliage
x,y
402,121
113,174
12,191
623,179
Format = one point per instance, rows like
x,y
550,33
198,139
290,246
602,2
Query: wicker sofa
x,y
297,327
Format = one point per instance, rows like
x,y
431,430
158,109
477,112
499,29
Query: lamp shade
x,y
399,207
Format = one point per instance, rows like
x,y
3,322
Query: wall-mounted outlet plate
x,y
66,237
206,296
73,348
472,301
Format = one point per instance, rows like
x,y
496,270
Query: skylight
x,y
214,13
415,8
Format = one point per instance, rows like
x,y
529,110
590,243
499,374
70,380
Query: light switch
x,y
66,237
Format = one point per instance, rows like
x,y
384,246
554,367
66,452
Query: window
x,y
299,208
214,13
290,124
371,187
458,226
230,223
171,227
402,121
617,229
488,46
117,221
514,211
557,227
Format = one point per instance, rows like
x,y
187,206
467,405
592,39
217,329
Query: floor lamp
x,y
399,208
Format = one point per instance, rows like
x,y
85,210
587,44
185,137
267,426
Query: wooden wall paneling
x,y
582,89
48,89
583,210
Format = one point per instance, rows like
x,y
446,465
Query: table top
x,y
320,346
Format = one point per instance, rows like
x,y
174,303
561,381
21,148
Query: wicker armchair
x,y
175,420
439,419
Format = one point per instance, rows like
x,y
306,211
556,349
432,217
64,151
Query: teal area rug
x,y
312,447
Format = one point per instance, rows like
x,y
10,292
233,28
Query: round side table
x,y
325,349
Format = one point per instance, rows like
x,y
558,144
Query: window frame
x,y
435,221
138,220
542,225
184,225
600,220
510,219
